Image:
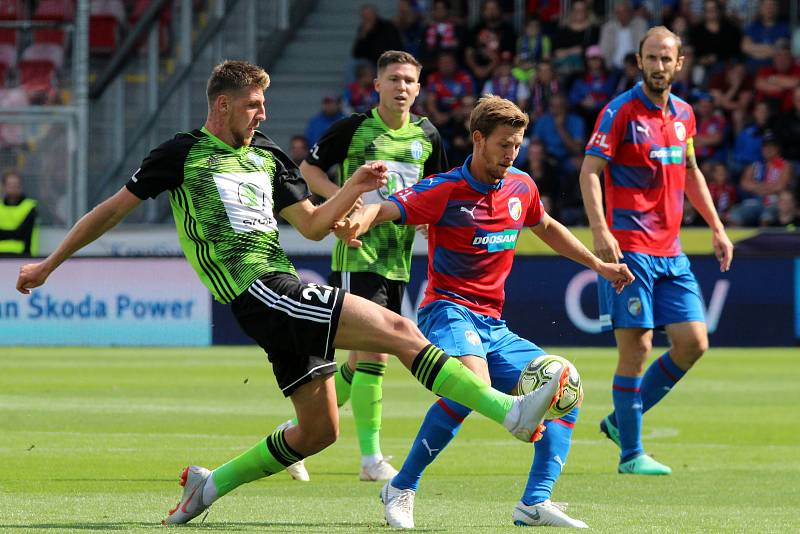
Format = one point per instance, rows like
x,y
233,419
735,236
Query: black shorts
x,y
371,286
295,324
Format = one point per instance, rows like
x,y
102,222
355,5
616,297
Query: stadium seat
x,y
3,71
10,10
105,19
12,135
55,11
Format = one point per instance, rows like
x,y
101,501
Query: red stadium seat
x,y
10,10
3,70
36,76
56,11
165,19
105,19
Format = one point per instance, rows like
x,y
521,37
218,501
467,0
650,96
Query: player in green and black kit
x,y
226,183
411,148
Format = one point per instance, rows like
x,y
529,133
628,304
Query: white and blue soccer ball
x,y
541,370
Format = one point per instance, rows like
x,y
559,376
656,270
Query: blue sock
x,y
628,406
441,425
658,380
549,458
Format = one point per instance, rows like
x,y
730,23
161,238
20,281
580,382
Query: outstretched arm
x,y
316,222
91,226
364,219
557,237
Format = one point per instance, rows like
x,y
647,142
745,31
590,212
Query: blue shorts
x,y
665,292
461,332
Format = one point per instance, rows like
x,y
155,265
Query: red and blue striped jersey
x,y
472,234
646,172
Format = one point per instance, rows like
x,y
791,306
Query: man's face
x,y
298,150
659,62
398,87
12,186
245,111
498,151
491,11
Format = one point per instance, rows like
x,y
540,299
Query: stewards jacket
x,y
18,228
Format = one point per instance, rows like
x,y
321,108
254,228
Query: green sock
x,y
266,458
343,380
449,378
367,394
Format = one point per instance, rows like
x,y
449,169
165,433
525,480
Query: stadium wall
x,y
550,300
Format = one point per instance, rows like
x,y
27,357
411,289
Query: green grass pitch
x,y
94,440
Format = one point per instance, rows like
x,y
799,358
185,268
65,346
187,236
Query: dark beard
x,y
655,89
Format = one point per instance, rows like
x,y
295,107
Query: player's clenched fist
x,y
31,275
617,274
369,176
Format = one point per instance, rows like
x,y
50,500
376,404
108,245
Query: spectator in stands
x,y
621,35
722,191
680,27
764,180
630,75
776,82
787,215
561,132
573,38
489,38
298,149
409,23
594,89
762,34
547,11
787,128
504,84
544,85
544,173
443,33
747,145
532,47
458,139
716,39
360,94
330,112
732,89
18,228
711,126
375,36
445,89
686,82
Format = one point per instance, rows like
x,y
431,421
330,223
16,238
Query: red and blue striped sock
x,y
440,426
658,380
549,458
626,392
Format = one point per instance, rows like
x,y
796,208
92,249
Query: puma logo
x,y
430,451
471,212
559,461
643,129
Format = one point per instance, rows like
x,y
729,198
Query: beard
x,y
659,85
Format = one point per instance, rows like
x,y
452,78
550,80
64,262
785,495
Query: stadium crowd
x,y
741,74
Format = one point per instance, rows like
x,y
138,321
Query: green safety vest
x,y
11,218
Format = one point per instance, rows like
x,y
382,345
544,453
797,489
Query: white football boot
x,y
193,478
297,470
398,506
524,420
378,471
545,514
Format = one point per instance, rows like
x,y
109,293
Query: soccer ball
x,y
540,370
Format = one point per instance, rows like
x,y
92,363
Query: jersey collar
x,y
377,117
478,186
222,144
640,94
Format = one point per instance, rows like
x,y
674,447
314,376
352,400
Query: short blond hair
x,y
664,32
235,76
492,111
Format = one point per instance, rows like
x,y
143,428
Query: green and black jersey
x,y
224,201
411,152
